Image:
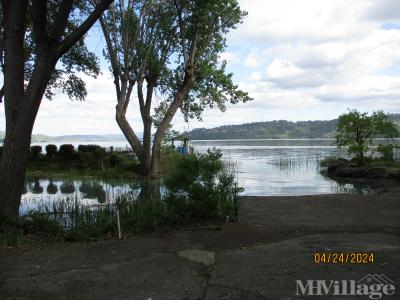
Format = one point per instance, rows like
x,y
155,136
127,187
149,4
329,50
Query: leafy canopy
x,y
154,40
78,60
356,131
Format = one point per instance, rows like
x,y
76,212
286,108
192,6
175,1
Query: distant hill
x,y
280,129
37,138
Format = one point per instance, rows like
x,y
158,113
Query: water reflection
x,y
67,187
264,167
52,188
93,190
36,188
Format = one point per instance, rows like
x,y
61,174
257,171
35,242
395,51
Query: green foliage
x,y
88,148
174,48
387,151
78,60
36,151
356,131
267,130
51,150
201,187
12,238
327,161
66,150
89,160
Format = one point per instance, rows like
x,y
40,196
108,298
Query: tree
x,y
356,131
172,47
35,36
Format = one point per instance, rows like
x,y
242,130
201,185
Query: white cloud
x,y
292,20
230,57
387,10
299,59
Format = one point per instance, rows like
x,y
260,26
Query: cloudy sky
x,y
298,59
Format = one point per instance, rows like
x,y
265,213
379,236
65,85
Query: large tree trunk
x,y
19,126
21,104
131,137
145,111
181,95
13,165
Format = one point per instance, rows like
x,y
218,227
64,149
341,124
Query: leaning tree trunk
x,y
163,127
131,137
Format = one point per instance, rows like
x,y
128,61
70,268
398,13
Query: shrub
x,y
36,150
356,131
386,151
66,150
88,148
93,156
114,160
201,187
51,150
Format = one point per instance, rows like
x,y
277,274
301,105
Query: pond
x,y
263,167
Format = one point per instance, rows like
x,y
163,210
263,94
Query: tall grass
x,y
198,187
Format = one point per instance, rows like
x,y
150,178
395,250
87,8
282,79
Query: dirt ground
x,y
260,257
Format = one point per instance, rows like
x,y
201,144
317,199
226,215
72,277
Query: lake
x,y
263,167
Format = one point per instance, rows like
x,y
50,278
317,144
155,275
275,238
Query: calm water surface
x,y
263,167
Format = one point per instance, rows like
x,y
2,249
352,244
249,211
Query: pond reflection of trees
x,y
67,187
52,188
93,190
37,188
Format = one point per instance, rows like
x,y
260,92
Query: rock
x,y
376,173
340,162
350,172
395,174
199,256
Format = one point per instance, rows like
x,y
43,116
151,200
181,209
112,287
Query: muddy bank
x,y
260,257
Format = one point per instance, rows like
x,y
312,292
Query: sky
x,y
298,59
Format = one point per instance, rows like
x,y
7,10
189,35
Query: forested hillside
x,y
272,130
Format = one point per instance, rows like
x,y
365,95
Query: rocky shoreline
x,y
348,169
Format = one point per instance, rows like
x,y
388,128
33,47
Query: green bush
x,y
201,187
36,151
327,161
51,150
114,160
66,150
88,148
386,151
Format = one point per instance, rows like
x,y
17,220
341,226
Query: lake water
x,y
263,167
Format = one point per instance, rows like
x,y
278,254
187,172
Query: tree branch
x,y
113,56
39,22
61,20
181,32
83,28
